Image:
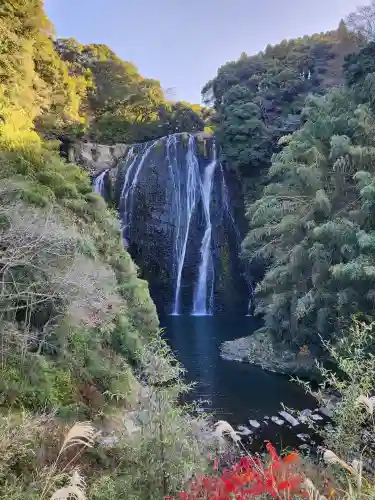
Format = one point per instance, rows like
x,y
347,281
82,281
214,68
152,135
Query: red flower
x,y
248,478
291,458
229,486
272,451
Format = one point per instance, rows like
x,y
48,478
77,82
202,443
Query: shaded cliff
x,y
174,199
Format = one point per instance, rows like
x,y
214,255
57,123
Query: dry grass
x,y
76,489
81,435
30,456
43,261
312,490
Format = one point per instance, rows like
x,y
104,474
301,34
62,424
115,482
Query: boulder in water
x,y
278,420
254,423
289,418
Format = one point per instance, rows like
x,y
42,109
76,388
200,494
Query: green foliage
x,y
313,224
36,87
122,105
311,228
353,432
171,446
77,311
357,66
59,87
32,381
148,452
259,99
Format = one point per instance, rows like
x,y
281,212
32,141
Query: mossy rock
x,y
202,147
185,139
259,349
159,146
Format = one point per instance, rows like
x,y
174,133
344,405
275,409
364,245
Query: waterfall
x,y
206,267
173,166
99,183
193,180
171,201
130,182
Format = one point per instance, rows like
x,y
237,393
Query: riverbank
x,y
258,350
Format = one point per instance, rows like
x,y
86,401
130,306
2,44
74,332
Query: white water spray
x,y
174,170
206,268
191,200
99,183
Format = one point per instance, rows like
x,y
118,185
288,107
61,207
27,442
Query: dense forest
x,y
297,121
60,88
79,332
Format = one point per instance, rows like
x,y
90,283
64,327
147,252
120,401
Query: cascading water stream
x,y
130,182
174,170
206,268
191,200
99,183
171,198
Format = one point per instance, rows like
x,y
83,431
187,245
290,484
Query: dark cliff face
x,y
159,191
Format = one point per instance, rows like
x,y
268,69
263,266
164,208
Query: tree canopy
x,y
312,228
121,105
63,88
258,99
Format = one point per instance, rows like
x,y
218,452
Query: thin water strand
x,y
192,166
226,204
171,149
206,264
130,183
250,304
99,183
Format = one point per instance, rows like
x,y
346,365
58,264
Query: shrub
x,y
164,445
249,478
66,281
34,464
353,375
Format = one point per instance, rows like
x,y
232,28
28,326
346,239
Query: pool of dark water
x,y
230,390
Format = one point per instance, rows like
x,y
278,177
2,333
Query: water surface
x,y
235,391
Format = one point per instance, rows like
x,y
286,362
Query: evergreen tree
x,y
275,82
313,225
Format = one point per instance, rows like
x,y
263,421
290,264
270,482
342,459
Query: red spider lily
x,y
248,478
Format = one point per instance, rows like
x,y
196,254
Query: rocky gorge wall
x,y
168,212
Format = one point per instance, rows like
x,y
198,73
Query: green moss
x,y
35,194
202,148
226,282
77,352
66,190
124,338
77,206
34,382
225,261
159,146
185,139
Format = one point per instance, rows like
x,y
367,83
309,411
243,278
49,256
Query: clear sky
x,y
182,43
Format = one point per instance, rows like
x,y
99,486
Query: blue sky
x,y
182,43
